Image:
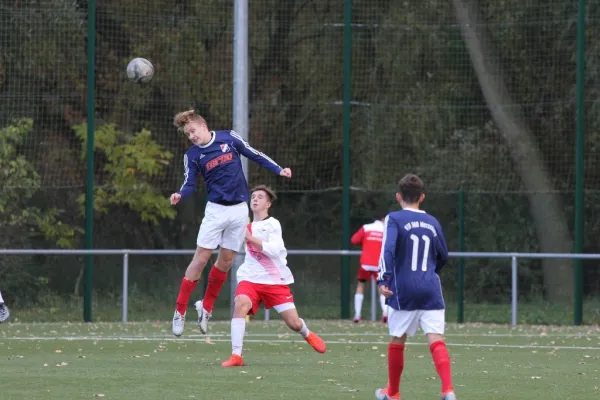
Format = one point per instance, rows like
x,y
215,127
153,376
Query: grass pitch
x,y
144,361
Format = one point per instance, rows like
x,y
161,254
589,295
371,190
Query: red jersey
x,y
370,237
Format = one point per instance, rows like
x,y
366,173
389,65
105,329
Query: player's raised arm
x,y
388,251
441,249
260,158
190,177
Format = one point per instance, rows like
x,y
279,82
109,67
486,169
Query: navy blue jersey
x,y
220,164
413,252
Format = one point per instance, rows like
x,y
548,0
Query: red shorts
x,y
364,275
271,295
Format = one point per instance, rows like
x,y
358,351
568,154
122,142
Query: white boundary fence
x,y
126,253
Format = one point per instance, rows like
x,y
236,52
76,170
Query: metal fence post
x,y
125,286
514,292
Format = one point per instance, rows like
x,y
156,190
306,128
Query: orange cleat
x,y
234,361
316,342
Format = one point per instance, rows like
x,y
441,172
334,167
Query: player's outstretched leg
x,y
395,367
297,324
4,313
188,284
242,306
441,360
216,279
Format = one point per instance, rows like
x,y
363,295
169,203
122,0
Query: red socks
x,y
395,367
441,359
216,279
185,291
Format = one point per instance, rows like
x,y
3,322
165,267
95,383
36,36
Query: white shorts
x,y
407,322
223,226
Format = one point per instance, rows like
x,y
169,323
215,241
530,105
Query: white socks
x,y
358,300
304,330
238,328
1,299
384,308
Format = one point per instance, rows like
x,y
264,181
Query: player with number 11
x,y
413,253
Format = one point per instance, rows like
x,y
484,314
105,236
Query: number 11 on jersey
x,y
415,252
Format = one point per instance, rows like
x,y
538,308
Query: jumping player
x,y
216,156
369,237
414,252
264,277
4,313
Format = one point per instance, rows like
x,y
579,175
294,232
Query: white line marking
x,y
385,334
170,339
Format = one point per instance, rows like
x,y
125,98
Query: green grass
x,y
143,308
144,361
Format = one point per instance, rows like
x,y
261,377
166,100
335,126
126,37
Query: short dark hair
x,y
270,192
411,187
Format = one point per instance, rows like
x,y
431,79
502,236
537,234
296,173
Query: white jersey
x,y
268,266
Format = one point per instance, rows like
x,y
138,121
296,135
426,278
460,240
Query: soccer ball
x,y
140,70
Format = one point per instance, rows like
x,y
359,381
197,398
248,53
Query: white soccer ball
x,y
140,70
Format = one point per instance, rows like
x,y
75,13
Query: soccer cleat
x,y
203,317
178,323
448,396
382,394
384,319
4,313
234,361
316,342
356,320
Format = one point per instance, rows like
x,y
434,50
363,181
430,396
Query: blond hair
x,y
270,192
184,117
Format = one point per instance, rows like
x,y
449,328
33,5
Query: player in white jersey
x,y
264,278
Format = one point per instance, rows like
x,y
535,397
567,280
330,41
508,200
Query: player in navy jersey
x,y
413,253
216,155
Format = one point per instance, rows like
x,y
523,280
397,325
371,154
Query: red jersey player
x,y
264,277
369,237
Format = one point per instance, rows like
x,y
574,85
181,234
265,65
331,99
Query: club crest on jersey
x,y
225,148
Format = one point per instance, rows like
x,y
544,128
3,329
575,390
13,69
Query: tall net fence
x,y
503,135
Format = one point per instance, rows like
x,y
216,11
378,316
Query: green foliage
x,y
20,183
131,162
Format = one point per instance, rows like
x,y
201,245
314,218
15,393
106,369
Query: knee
x,y
398,340
434,337
224,263
200,258
242,304
225,260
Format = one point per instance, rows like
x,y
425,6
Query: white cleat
x,y
448,396
203,317
178,323
4,313
382,394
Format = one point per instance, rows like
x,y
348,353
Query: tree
x,y
552,228
130,164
